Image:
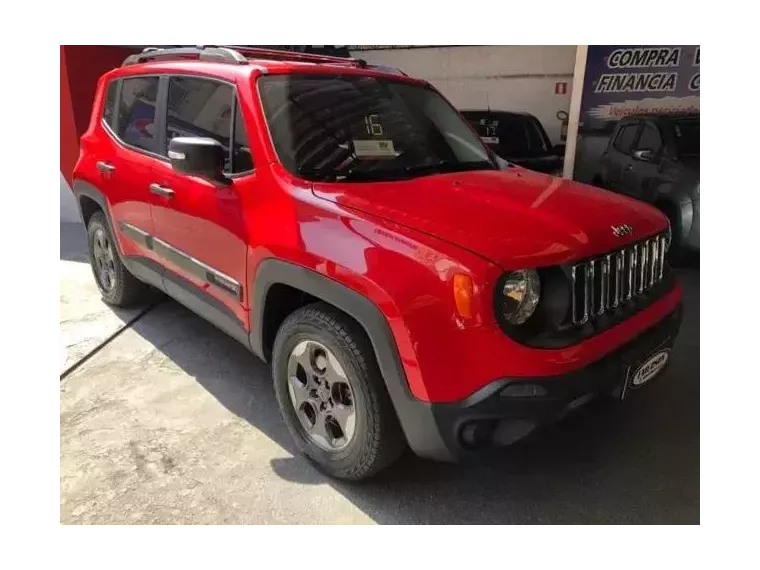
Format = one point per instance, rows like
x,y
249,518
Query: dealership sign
x,y
627,80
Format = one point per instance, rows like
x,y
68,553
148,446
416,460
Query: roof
x,y
234,64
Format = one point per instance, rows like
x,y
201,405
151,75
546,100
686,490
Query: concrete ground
x,y
173,422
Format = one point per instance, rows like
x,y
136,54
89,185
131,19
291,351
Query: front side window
x,y
198,107
136,115
355,128
649,139
625,137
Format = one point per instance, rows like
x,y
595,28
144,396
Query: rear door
x,y
199,225
127,163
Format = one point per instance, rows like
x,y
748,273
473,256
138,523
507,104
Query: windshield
x,y
686,134
361,128
509,135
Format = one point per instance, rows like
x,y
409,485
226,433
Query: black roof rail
x,y
208,53
233,55
288,55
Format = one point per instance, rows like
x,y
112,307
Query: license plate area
x,y
644,370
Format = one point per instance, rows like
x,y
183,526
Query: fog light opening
x,y
524,390
477,434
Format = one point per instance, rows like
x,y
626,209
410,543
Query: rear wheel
x,y
116,284
331,394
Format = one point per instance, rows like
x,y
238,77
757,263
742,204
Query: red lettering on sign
x,y
560,88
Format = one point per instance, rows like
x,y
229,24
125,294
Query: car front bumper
x,y
492,417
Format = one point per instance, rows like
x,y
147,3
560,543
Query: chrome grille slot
x,y
610,281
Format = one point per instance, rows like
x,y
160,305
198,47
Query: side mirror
x,y
646,155
198,156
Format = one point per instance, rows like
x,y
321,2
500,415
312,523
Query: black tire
x,y
678,255
123,289
377,441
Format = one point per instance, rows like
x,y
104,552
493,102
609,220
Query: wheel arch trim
x,y
416,417
83,188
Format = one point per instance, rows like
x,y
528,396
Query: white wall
x,y
510,78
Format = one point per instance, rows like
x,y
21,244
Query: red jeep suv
x,y
348,226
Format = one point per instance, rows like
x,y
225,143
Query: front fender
x,y
416,417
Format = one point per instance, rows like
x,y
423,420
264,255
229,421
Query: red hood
x,y
515,218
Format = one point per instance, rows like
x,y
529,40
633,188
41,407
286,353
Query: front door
x,y
619,159
199,225
640,179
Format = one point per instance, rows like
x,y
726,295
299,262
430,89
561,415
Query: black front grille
x,y
607,282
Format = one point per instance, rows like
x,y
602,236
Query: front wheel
x,y
331,394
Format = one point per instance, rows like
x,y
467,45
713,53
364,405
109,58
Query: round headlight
x,y
520,291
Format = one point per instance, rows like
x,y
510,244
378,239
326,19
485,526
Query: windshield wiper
x,y
447,166
352,175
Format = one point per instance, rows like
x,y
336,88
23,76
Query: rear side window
x,y
205,108
110,103
136,115
625,137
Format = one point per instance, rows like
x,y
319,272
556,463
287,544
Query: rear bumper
x,y
491,417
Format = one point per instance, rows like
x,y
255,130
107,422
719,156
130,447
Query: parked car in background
x,y
519,138
655,158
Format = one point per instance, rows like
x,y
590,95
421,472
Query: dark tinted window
x,y
625,137
649,139
509,135
110,102
351,128
137,112
686,136
242,159
200,108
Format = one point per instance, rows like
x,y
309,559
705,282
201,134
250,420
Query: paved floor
x,y
173,422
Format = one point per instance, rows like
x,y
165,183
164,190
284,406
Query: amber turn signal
x,y
463,295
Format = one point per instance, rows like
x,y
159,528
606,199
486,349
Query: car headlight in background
x,y
518,295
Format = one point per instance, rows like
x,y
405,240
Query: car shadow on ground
x,y
74,242
606,464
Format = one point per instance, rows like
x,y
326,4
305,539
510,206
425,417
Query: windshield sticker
x,y
374,148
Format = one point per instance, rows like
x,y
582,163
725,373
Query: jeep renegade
x,y
348,226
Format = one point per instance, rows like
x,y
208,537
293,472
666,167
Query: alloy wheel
x,y
321,394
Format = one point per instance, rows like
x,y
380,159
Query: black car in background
x,y
655,158
519,138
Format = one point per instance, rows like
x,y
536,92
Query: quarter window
x,y
110,103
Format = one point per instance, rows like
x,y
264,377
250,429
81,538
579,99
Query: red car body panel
x,y
398,244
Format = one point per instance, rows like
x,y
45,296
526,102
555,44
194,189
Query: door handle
x,y
105,167
161,190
